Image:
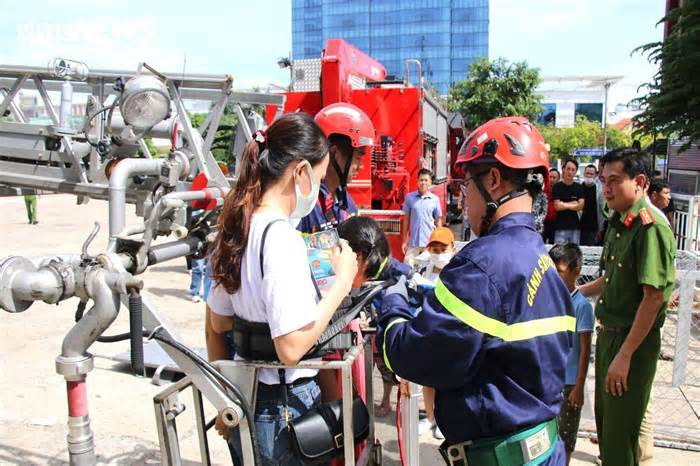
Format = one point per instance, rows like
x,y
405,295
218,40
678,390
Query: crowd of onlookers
x,y
576,212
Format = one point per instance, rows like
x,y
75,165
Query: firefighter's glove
x,y
399,288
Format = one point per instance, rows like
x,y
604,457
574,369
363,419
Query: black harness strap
x,y
282,372
262,251
262,244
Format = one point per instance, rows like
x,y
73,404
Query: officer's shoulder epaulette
x,y
646,216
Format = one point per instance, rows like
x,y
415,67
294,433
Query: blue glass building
x,y
445,35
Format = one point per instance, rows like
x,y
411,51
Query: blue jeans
x,y
198,268
273,436
567,236
207,280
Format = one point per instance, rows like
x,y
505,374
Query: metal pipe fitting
x,y
22,283
81,447
420,72
118,180
230,417
98,318
132,230
174,249
40,285
163,129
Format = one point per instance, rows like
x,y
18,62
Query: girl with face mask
x,y
441,246
260,273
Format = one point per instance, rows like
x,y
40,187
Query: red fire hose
x,y
399,429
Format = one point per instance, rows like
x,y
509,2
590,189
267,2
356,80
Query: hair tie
x,y
260,136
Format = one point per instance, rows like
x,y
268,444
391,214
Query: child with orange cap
x,y
441,246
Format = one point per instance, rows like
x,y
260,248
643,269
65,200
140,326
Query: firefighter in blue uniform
x,y
351,134
499,323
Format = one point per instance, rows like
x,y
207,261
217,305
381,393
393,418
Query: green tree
x,y
672,103
564,141
223,139
618,138
151,148
496,88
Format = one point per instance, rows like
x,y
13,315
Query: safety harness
x,y
253,340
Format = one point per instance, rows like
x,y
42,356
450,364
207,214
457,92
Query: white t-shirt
x,y
430,274
285,299
658,211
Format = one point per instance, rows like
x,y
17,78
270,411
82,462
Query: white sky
x,y
560,37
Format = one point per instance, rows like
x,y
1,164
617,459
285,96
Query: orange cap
x,y
442,235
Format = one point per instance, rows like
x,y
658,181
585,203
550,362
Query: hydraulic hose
x,y
116,338
136,332
207,367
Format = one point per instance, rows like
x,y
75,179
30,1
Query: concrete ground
x,y
32,396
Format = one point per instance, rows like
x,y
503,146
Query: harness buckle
x,y
338,438
457,454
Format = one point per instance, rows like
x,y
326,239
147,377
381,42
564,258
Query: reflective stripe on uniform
x,y
513,332
386,330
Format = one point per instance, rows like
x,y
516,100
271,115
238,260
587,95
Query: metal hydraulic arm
x,y
97,159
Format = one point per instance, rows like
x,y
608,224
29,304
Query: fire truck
x,y
412,130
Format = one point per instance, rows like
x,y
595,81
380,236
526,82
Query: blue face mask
x,y
304,202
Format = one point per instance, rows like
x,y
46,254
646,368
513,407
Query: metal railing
x,y
244,375
676,389
686,222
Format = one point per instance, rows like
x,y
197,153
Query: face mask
x,y
305,202
423,256
440,260
589,180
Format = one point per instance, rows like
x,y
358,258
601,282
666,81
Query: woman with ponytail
x,y
269,280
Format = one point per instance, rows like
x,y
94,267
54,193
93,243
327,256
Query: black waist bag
x,y
317,436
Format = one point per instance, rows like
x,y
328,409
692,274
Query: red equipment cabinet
x,y
411,127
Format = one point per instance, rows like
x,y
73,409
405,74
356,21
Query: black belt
x,y
298,382
611,329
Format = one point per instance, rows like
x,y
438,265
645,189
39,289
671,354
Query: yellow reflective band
x,y
484,324
381,268
386,330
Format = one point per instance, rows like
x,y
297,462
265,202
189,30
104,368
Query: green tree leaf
x,y
672,103
496,88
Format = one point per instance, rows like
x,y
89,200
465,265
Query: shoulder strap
x,y
262,251
262,244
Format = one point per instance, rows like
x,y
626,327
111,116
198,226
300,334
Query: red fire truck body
x,y
411,128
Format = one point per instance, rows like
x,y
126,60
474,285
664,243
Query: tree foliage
x,y
496,88
564,141
152,149
223,140
672,103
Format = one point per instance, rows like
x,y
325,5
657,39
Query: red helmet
x,y
512,141
348,120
